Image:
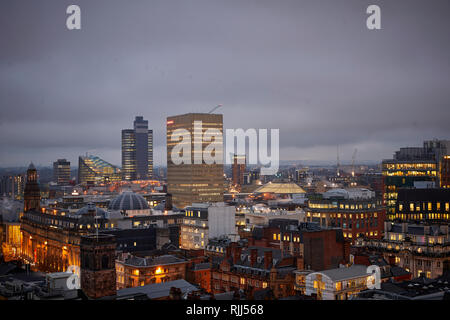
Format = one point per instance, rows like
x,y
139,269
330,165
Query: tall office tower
x,y
238,169
191,182
32,193
137,151
61,172
410,166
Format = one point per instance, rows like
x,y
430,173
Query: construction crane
x,y
353,162
215,108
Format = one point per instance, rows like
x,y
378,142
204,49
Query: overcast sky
x,y
310,68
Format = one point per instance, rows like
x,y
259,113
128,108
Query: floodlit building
x,y
191,182
93,170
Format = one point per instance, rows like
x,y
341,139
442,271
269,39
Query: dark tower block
x,y
32,193
98,271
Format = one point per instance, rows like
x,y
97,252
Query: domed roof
x,y
90,206
128,200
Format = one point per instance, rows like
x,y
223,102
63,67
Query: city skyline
x,y
329,79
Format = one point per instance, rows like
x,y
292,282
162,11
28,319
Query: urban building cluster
x,y
201,231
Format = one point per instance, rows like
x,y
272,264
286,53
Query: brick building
x,y
253,269
133,271
200,274
321,248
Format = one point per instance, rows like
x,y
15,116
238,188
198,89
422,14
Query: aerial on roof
x,y
280,188
91,207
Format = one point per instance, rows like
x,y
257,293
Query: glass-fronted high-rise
x,y
137,151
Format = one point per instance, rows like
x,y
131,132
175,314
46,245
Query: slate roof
x,y
152,261
157,290
340,274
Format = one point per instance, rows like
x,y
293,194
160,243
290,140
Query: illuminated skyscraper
x,y
61,172
190,182
137,151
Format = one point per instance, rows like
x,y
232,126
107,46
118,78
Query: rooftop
x,y
157,290
280,188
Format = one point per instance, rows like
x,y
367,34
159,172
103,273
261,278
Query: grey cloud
x,y
310,68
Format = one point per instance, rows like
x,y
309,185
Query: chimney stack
x,y
168,206
228,252
253,256
237,254
267,259
300,263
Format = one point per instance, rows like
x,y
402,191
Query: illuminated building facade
x,y
338,284
137,151
133,271
61,172
410,165
51,237
429,205
356,216
444,172
93,170
190,182
206,221
10,235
